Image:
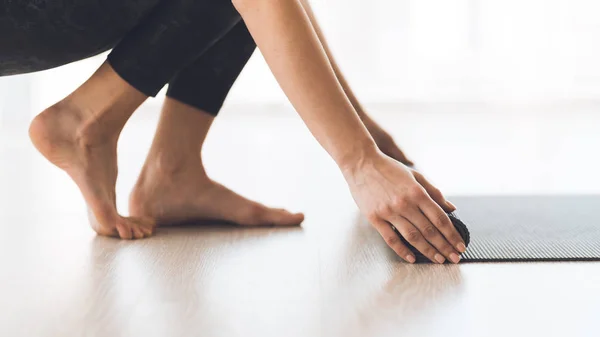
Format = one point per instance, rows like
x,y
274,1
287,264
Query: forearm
x,y
290,46
338,73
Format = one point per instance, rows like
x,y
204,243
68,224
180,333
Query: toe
x,y
281,217
124,231
141,226
137,232
298,218
147,230
149,225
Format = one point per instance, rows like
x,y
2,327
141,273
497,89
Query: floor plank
x,y
332,277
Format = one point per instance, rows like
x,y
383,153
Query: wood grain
x,y
332,277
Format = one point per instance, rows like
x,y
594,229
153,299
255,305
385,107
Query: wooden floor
x,y
332,277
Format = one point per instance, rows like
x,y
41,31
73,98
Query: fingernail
x,y
439,258
451,204
410,258
461,247
454,258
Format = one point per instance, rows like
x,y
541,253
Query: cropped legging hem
x,y
197,47
205,83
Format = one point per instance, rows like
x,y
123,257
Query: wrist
x,y
357,157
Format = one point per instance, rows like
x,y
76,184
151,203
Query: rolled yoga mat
x,y
530,228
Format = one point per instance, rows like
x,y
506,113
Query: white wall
x,y
416,50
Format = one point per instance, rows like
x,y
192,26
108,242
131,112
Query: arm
x,y
294,54
385,190
384,141
338,73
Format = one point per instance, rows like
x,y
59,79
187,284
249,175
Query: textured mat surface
x,y
531,228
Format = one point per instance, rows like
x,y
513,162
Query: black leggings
x,y
198,47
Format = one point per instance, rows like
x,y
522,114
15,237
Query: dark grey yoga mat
x,y
531,228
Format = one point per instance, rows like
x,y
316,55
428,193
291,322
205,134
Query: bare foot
x,y
77,143
384,141
187,195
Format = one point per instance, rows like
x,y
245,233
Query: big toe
x,y
281,217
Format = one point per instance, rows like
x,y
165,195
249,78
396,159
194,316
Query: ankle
x,y
89,126
170,164
102,105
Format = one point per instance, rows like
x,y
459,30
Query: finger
x,y
443,223
432,234
416,239
434,193
392,239
124,231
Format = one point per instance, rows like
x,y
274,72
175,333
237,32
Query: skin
x,y
384,141
174,188
384,189
80,133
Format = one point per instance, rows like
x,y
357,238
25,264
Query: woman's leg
x,y
214,73
171,37
80,133
205,83
174,188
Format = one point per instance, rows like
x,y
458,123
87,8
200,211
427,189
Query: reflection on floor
x,y
332,277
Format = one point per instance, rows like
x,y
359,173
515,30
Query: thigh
x,y
41,34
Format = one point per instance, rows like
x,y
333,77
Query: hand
x,y
384,140
389,193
